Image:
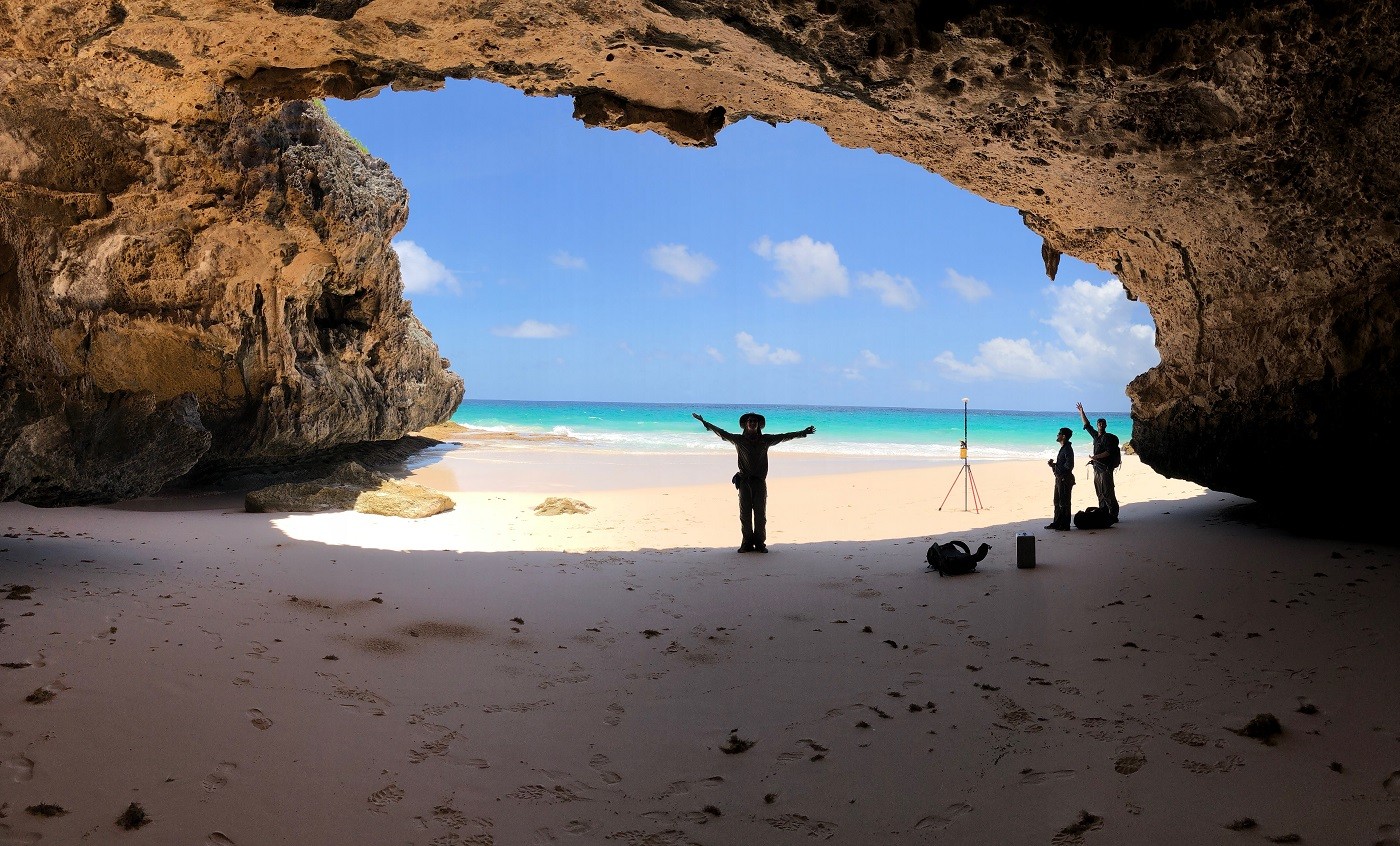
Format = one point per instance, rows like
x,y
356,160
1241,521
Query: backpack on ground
x,y
954,558
1093,517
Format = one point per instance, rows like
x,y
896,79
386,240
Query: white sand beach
x,y
493,676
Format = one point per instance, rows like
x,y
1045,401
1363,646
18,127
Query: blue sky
x,y
552,261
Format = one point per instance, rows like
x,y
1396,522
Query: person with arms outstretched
x,y
752,478
1062,465
1105,459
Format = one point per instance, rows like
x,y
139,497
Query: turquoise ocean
x,y
920,434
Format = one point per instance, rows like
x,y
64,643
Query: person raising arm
x,y
752,479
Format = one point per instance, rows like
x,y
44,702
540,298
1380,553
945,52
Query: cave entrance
x,y
553,262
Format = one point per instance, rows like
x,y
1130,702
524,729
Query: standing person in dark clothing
x,y
752,479
1063,468
1105,459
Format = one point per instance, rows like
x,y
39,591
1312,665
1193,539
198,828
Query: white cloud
x,y
865,360
967,287
808,270
894,291
568,261
532,329
1097,342
715,354
423,274
679,263
870,359
757,353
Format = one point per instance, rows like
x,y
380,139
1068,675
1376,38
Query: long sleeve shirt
x,y
1064,463
753,448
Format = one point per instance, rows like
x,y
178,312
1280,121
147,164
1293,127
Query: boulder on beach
x,y
556,505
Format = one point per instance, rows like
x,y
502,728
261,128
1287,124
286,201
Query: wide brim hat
x,y
744,419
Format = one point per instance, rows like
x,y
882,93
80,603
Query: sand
x,y
622,676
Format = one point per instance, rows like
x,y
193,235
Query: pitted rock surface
x,y
177,221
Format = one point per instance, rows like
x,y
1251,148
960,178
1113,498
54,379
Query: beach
x,y
493,675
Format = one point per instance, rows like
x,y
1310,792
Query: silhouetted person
x,y
752,479
1062,466
1106,458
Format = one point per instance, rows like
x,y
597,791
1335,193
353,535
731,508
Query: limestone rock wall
x,y
228,285
171,206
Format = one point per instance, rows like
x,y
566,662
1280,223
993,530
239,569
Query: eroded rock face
x,y
176,222
233,278
350,487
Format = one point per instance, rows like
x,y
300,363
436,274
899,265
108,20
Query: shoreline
x,y
489,675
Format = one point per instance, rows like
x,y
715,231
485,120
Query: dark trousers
x,y
1103,486
753,511
1064,486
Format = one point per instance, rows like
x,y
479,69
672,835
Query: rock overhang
x,y
1233,163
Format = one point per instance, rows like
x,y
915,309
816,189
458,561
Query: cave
x,y
189,249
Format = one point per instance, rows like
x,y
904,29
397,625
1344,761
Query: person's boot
x,y
747,548
760,548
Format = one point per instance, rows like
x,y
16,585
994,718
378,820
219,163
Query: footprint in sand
x,y
798,822
1130,762
517,708
219,777
599,764
359,695
380,800
615,712
256,718
679,788
539,794
258,650
20,767
1030,776
218,838
944,819
18,838
579,827
454,820
439,746
1187,737
1225,765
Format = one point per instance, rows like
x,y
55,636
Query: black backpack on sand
x,y
1093,517
954,558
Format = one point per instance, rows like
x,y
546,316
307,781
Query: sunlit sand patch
x,y
478,524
